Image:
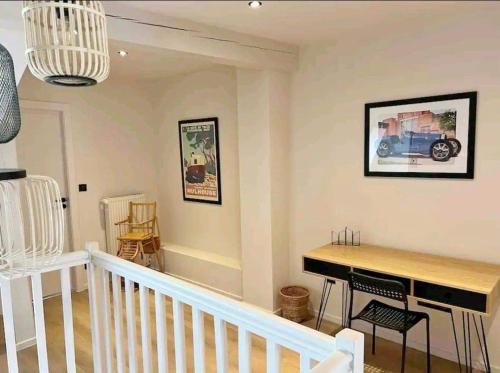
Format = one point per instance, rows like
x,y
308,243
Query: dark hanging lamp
x,y
10,115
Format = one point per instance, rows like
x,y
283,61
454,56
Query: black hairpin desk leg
x,y
345,310
470,344
483,344
456,340
327,287
455,336
466,345
481,337
487,362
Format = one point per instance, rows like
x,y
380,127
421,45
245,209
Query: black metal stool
x,y
384,315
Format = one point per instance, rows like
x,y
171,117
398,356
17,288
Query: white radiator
x,y
115,210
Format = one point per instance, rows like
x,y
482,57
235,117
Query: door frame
x,y
79,282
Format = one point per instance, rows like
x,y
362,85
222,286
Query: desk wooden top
x,y
457,273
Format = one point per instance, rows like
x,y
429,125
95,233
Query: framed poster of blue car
x,y
200,165
421,137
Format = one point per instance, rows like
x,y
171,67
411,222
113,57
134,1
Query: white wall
x,y
112,130
328,190
255,156
279,114
206,231
263,119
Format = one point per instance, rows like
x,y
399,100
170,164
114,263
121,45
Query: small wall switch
x,y
82,187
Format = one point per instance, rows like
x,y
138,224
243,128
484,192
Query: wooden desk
x,y
468,285
437,282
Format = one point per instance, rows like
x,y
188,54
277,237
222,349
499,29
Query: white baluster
x,y
278,332
41,341
338,361
244,350
107,320
179,336
130,306
305,363
221,345
8,326
198,340
117,310
352,342
93,288
69,339
273,357
161,341
145,329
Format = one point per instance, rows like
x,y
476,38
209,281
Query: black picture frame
x,y
468,174
215,122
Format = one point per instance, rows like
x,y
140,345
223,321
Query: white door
x,y
40,150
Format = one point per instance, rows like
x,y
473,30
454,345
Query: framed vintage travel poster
x,y
200,165
421,137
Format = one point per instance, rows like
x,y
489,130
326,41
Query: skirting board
x,y
445,354
222,292
213,271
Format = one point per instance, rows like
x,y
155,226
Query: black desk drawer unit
x,y
326,269
453,297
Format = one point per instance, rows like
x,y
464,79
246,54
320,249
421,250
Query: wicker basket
x,y
294,302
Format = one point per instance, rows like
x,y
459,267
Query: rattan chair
x,y
384,315
139,234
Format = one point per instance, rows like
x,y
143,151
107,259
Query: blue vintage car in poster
x,y
434,145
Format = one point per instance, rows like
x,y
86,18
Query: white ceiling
x,y
148,63
302,22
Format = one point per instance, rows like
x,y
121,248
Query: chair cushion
x,y
135,236
389,317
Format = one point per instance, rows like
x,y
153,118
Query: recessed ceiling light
x,y
122,53
255,4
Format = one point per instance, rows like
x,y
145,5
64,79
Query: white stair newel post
x,y
352,342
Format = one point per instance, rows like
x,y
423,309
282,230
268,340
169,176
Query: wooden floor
x,y
387,357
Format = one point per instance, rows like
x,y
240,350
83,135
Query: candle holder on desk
x,y
346,237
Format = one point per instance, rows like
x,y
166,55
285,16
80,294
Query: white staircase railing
x,y
319,353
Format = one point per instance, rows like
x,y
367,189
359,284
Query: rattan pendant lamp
x,y
66,41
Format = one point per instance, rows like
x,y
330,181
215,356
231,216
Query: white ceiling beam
x,y
221,45
149,29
